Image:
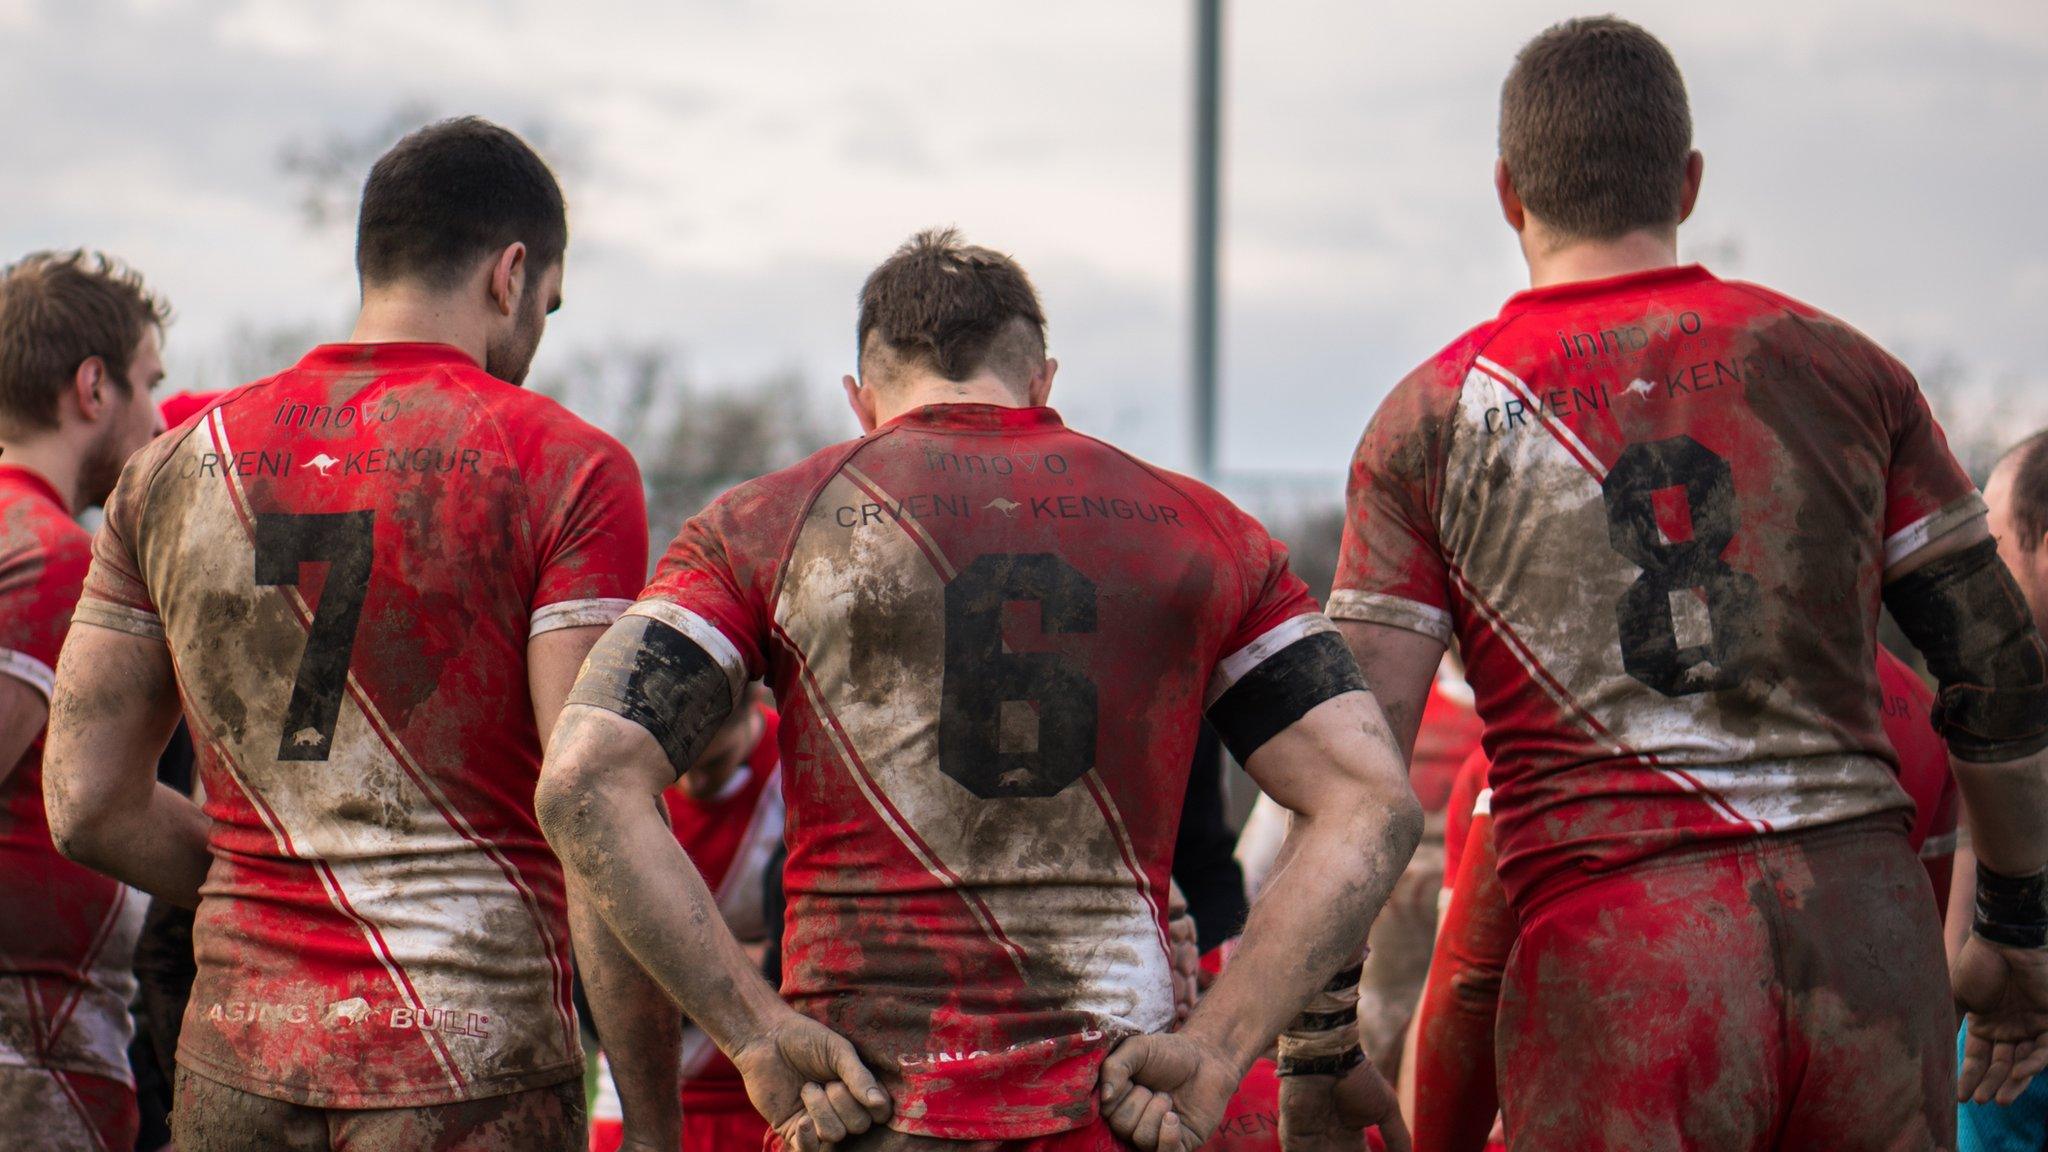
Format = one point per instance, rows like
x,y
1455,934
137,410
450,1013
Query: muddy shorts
x,y
735,1131
212,1117
44,1110
1787,992
1095,1138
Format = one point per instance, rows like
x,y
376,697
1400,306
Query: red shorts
x,y
43,1110
735,1131
1094,1138
1788,992
212,1117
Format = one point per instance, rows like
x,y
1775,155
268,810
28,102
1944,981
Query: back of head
x,y
949,307
2026,471
1595,129
451,194
58,310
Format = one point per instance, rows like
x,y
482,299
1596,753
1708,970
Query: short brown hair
x,y
1595,129
958,307
449,195
57,310
2029,499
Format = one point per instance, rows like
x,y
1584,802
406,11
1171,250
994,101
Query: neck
x,y
1640,251
409,314
52,459
912,391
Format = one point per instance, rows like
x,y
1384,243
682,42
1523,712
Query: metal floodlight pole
x,y
1208,80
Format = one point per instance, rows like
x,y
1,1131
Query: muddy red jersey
x,y
1908,705
1657,512
731,838
992,639
347,562
67,933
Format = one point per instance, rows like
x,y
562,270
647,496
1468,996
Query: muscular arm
x,y
23,711
1398,666
640,1030
111,713
1355,823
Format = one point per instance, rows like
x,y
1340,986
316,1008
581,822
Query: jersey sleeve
x,y
593,547
117,594
1282,657
36,597
1390,566
1927,494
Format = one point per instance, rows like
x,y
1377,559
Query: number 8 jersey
x,y
992,640
347,561
1656,512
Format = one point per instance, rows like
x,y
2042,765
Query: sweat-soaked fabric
x,y
213,1117
1786,992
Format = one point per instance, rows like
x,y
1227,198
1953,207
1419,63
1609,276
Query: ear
x,y
90,385
1510,200
862,402
1040,389
1695,166
508,279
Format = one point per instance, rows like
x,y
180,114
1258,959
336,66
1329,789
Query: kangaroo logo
x,y
1642,389
1005,505
323,462
353,1010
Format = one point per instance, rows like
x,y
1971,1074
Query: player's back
x,y
347,562
1670,501
992,641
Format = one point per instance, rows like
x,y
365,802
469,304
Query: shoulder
x,y
1840,335
544,436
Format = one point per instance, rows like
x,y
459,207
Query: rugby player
x,y
80,343
992,639
370,580
1675,503
1454,1101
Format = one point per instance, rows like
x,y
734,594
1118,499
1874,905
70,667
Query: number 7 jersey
x,y
1656,512
347,562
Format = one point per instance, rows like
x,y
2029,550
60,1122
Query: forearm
x,y
616,846
1334,873
158,845
2006,809
639,1029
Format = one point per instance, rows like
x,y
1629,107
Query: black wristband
x,y
1335,1065
2012,910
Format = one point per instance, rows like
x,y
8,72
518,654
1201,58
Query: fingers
x,y
1996,1068
2029,1058
1128,1111
851,1112
818,1106
1394,1132
1976,1060
1120,1069
798,1135
1151,1121
860,1084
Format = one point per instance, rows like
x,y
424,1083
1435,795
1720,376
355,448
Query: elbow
x,y
1400,813
561,803
76,838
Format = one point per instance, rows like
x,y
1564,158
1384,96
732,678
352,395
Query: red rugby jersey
x,y
1669,502
1449,733
731,838
347,561
991,639
67,933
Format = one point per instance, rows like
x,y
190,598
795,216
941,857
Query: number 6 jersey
x,y
991,639
1656,511
347,561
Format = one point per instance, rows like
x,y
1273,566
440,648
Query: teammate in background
x,y
2017,496
993,639
1454,1100
1674,503
370,579
80,340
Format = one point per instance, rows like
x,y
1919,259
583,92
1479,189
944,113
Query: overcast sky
x,y
734,167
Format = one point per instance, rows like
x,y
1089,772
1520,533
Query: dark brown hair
x,y
2029,499
58,310
955,306
451,194
1595,129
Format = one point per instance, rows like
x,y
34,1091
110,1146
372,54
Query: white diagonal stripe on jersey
x,y
28,670
431,917
1556,427
1086,928
908,523
576,614
705,635
1235,666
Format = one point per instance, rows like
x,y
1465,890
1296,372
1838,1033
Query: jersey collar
x,y
977,418
383,357
36,482
1673,276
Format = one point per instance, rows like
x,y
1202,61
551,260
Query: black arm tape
x,y
1345,978
1281,690
1966,615
660,679
1321,1065
1324,1021
2012,910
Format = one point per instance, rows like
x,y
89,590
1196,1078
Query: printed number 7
x,y
346,543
